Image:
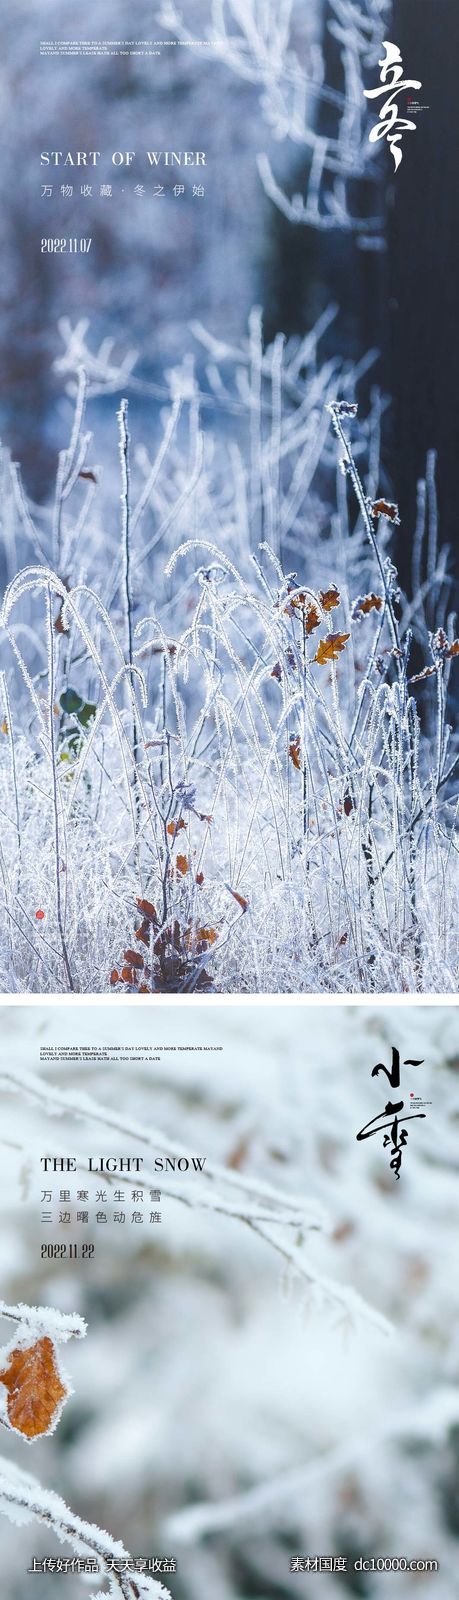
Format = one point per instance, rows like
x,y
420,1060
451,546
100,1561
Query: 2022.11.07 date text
x,y
72,247
68,1252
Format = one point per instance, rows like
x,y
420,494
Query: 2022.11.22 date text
x,y
68,1252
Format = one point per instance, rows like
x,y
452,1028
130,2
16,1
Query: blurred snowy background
x,y
216,1374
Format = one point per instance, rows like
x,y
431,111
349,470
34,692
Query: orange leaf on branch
x,y
199,939
295,602
427,672
302,602
174,827
329,597
148,909
242,902
182,865
312,618
294,751
330,648
34,1387
384,508
366,603
133,958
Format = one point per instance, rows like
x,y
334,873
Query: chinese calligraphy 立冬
x,y
390,123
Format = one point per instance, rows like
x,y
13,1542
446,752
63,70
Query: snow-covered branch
x,y
22,1500
430,1420
45,1319
32,1394
58,1102
271,1213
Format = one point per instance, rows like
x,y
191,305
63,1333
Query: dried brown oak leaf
x,y
302,602
329,597
294,751
174,827
129,975
133,959
241,900
295,603
148,909
384,508
330,648
312,619
182,865
366,603
35,1388
58,625
198,939
426,673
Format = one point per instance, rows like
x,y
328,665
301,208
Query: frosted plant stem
x,y
428,801
362,501
126,580
10,735
65,466
57,845
440,724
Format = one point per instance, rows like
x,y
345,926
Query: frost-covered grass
x,y
213,773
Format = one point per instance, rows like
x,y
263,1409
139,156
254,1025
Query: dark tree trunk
x,y
422,321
